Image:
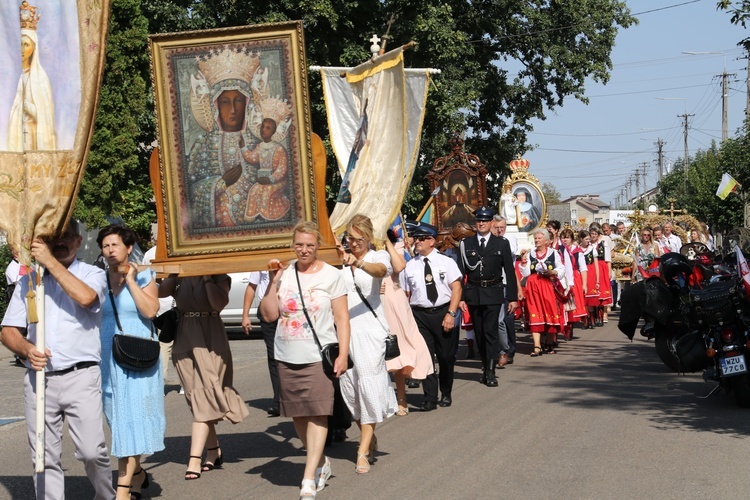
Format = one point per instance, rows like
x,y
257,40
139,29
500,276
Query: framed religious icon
x,y
458,186
235,142
522,202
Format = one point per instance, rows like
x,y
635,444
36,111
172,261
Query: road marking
x,y
9,420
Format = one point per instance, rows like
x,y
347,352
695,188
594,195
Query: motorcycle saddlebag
x,y
716,303
691,351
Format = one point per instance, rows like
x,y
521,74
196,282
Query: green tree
x,y
696,192
116,181
554,45
551,194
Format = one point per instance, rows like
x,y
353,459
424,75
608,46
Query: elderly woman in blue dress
x,y
133,400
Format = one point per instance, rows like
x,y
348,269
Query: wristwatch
x,y
453,313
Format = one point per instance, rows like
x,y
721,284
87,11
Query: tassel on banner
x,y
31,302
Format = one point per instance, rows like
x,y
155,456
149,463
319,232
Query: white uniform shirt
x,y
444,270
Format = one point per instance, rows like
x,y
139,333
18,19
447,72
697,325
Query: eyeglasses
x,y
646,234
352,239
422,238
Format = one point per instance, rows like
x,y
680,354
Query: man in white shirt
x,y
673,241
74,293
432,281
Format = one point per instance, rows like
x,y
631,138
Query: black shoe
x,y
274,410
491,379
338,435
427,406
483,378
412,383
510,360
445,401
470,355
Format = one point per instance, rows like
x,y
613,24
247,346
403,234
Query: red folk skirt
x,y
545,311
580,310
605,285
592,297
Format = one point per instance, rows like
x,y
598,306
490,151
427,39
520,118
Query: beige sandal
x,y
362,469
403,408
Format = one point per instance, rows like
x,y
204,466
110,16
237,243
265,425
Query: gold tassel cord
x,y
31,302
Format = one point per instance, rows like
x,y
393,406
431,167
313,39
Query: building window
x,y
598,220
573,214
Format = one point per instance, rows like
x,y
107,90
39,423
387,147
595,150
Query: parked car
x,y
232,314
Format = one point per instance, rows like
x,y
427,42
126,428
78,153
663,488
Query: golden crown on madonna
x,y
229,64
29,16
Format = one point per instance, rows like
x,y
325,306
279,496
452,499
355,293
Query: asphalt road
x,y
600,419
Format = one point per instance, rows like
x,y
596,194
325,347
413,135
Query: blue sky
x,y
595,148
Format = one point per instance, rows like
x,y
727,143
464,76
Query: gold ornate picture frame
x,y
235,153
522,201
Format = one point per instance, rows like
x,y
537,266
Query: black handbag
x,y
392,350
129,351
167,324
329,352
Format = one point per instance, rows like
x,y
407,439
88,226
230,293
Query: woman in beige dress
x,y
203,361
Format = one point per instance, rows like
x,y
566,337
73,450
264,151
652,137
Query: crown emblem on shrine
x,y
29,16
519,164
275,108
229,64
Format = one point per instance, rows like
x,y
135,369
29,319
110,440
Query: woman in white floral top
x,y
306,392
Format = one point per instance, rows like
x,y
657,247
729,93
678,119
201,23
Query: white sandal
x,y
307,491
323,474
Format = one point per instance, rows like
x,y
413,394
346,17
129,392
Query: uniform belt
x,y
197,314
78,366
430,309
486,283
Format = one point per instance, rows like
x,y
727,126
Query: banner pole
x,y
40,375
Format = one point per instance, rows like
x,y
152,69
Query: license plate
x,y
734,365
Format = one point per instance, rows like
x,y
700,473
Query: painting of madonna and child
x,y
235,140
40,84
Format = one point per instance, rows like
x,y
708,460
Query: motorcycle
x,y
722,314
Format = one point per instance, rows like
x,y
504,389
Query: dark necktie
x,y
481,245
429,282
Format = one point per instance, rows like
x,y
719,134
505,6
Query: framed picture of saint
x,y
234,136
526,206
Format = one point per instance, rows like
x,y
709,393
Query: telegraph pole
x,y
687,158
637,187
644,165
725,105
660,150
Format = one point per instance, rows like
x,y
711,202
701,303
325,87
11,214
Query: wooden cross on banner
x,y
672,210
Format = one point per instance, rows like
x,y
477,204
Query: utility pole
x,y
644,165
725,105
747,103
660,152
687,158
637,187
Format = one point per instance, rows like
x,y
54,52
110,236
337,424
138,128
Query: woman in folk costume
x,y
605,271
32,116
546,316
580,277
556,243
591,285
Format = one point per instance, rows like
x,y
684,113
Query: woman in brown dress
x,y
204,364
